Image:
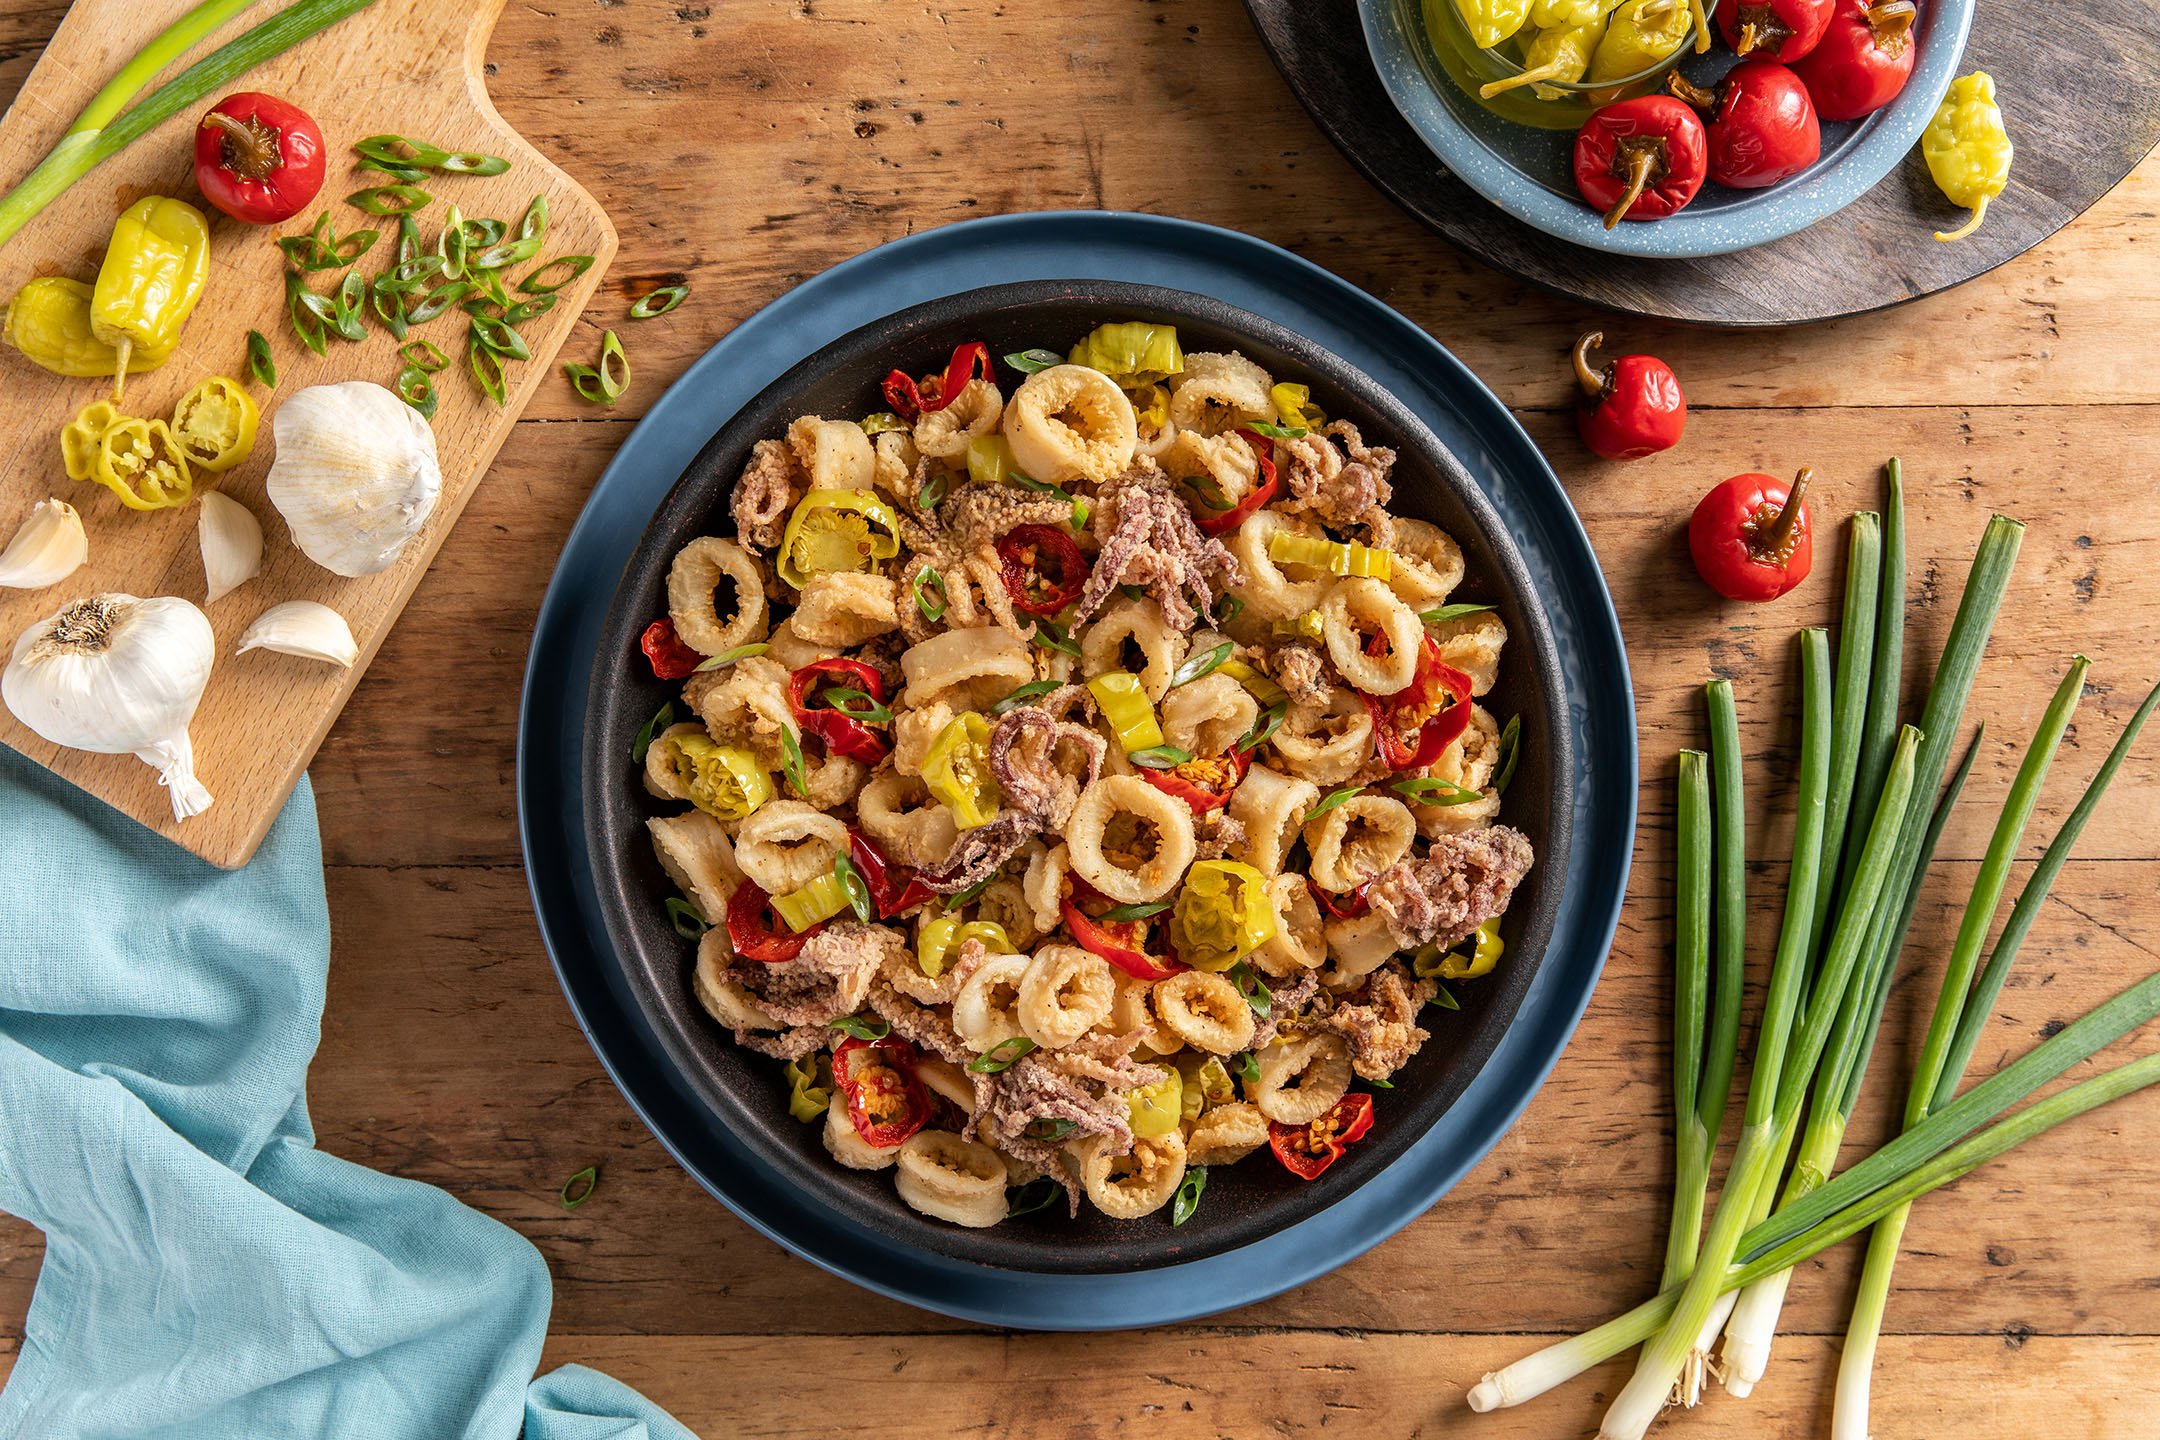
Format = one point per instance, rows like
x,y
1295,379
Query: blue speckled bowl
x,y
1525,172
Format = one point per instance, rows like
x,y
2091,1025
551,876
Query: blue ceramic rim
x,y
1241,271
1843,176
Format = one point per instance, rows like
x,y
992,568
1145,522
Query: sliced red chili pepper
x,y
1306,1150
1221,522
1422,719
910,400
671,659
843,732
759,934
1203,785
1121,942
894,888
885,1098
1341,907
1044,570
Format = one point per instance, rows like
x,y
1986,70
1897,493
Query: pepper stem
x,y
123,351
251,150
1688,91
1595,383
1643,164
1549,70
1978,210
1774,537
1892,20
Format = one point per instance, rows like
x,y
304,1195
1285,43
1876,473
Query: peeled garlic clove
x,y
355,475
303,628
47,549
232,544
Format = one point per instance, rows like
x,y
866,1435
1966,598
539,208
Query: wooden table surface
x,y
749,145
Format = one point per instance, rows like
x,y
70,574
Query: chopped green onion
x,y
526,310
1253,988
1444,997
390,199
1248,1068
416,390
1140,910
508,252
880,422
688,920
932,491
1233,605
1038,1194
579,1187
438,300
575,265
345,311
1451,612
1160,757
1030,691
797,775
1510,752
858,891
404,174
603,384
1432,790
487,372
534,224
662,718
927,580
499,337
1276,432
855,1025
1027,362
466,162
1048,1129
1052,636
1029,482
729,657
845,698
424,355
972,893
1001,1056
1188,1195
1196,666
260,365
659,302
1264,726
305,322
1332,799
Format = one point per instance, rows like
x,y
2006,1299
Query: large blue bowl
x,y
1525,171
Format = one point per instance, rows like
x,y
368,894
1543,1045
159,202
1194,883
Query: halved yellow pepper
x,y
49,322
79,438
724,781
1125,705
1334,556
957,771
156,266
821,899
139,461
214,424
935,945
1222,915
837,530
1132,352
1156,1109
1293,406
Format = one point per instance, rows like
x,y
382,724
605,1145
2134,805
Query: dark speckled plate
x,y
1244,1202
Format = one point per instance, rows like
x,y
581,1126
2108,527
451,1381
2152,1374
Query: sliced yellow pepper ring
x,y
1485,949
1306,625
1132,352
1213,1081
79,438
837,530
957,771
821,899
214,423
1125,705
1154,1110
725,782
139,461
1223,914
1257,685
990,460
1334,556
1151,407
809,1086
1293,406
943,937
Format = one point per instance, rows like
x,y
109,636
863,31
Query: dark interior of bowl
x,y
1242,1202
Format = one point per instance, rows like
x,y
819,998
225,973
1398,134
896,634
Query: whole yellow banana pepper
x,y
49,322
1639,35
155,268
1967,149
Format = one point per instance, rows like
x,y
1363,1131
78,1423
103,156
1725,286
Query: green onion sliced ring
x,y
1188,1195
500,337
659,302
1038,1194
662,718
688,920
1161,757
1001,1056
858,705
1444,997
602,384
572,265
1033,690
973,892
1232,607
859,1028
579,1187
403,174
436,301
507,252
1277,432
1196,666
260,365
526,310
467,162
1446,613
1248,1068
1332,799
879,423
425,356
797,774
1027,362
305,322
1048,1129
927,580
390,199
534,224
933,490
729,657
1263,728
417,390
1052,636
1510,752
1138,911
1381,1084
858,894
1432,790
1253,988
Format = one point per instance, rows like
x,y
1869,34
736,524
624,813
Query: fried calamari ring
x,y
694,851
1224,464
723,996
848,1147
967,669
1299,943
1472,645
1132,1013
950,1178
845,608
1428,564
1301,1079
1270,806
662,780
1065,993
1270,591
893,466
692,585
836,454
1004,906
1357,611
1126,1187
1043,885
745,704
1109,850
1205,1011
787,844
1139,623
1325,743
986,1012
1218,392
1226,1134
1469,762
1071,423
1357,840
974,412
1359,945
790,650
1205,717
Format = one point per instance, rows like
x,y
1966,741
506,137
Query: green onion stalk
x,y
102,131
1964,1005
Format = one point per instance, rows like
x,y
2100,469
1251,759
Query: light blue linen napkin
x,y
209,1272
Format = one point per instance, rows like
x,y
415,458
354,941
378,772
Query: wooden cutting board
x,y
407,67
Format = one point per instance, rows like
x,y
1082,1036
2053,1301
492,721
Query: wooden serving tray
x,y
408,67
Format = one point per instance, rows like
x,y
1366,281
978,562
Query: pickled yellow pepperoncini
x,y
1257,685
80,437
1639,35
837,530
1206,1083
1151,407
1334,556
1155,1110
214,423
882,421
1125,705
1222,915
809,1086
1492,21
990,460
1967,149
821,899
49,322
1293,406
940,939
156,265
1557,55
1306,626
957,771
725,782
139,461
1132,352
1485,950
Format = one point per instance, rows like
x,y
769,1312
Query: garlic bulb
x,y
232,544
47,548
303,628
118,676
355,475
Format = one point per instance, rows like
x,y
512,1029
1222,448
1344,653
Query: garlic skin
x,y
355,475
47,548
116,675
232,545
304,628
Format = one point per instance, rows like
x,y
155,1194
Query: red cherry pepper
x,y
885,1098
257,158
670,658
910,400
844,731
1762,124
1751,538
1631,408
1341,907
1863,60
1306,1150
1423,718
1777,29
1640,159
1203,785
1222,522
1044,570
1121,942
759,934
894,888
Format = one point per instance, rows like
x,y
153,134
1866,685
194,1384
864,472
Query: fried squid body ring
x,y
950,1178
1325,743
947,1081
1065,993
844,608
966,669
1224,459
790,649
745,704
974,412
693,581
1102,644
1360,607
1205,1011
724,997
1357,840
1132,1012
695,853
1126,1187
1107,850
1226,1134
1298,943
898,812
848,1147
1043,885
893,468
1468,761
986,1012
1071,423
1004,905
1360,945
787,844
915,729
1472,645
1207,716
1301,1079
1269,591
1218,392
1270,806
662,780
1428,564
835,453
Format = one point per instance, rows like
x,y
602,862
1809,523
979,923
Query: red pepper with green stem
x,y
1631,408
1751,537
258,158
1640,159
1864,59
